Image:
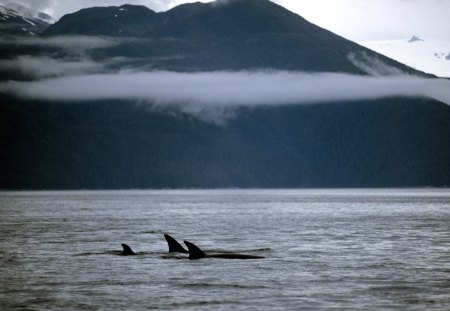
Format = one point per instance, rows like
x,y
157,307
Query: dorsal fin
x,y
174,246
194,251
127,250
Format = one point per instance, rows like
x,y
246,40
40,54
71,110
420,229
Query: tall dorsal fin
x,y
127,250
194,251
174,246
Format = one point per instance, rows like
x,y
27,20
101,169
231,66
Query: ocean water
x,y
325,250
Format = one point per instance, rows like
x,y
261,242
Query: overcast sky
x,y
354,19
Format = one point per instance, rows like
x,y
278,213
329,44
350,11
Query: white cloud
x,y
71,44
198,93
44,67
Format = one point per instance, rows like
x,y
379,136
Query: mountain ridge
x,y
125,20
16,19
232,35
181,14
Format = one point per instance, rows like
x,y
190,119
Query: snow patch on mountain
x,y
16,19
26,12
425,54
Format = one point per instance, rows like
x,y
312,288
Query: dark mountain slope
x,y
236,18
114,145
126,20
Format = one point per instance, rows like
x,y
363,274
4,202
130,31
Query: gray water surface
x,y
324,249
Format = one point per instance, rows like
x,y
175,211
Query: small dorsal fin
x,y
174,246
194,251
127,250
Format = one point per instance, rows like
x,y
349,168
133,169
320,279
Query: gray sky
x,y
354,19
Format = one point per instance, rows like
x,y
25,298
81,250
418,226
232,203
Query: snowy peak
x,y
425,54
26,12
414,39
16,19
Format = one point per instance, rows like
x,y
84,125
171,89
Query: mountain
x,y
192,19
127,20
232,35
425,54
16,19
118,143
115,145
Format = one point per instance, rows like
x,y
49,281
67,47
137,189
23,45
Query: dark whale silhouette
x,y
127,251
196,253
174,246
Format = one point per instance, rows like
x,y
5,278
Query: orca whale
x,y
196,253
127,251
174,246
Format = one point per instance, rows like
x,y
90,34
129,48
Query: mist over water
x,y
324,249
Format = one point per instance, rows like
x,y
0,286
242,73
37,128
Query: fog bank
x,y
229,88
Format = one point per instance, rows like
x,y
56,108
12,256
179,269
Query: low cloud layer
x,y
45,67
228,89
76,45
